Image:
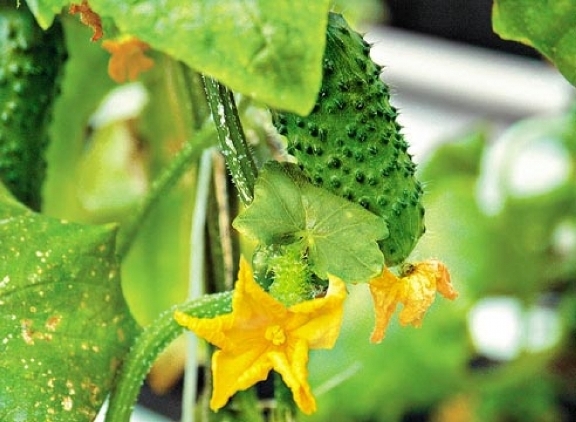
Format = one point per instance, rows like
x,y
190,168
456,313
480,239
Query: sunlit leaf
x,y
548,26
271,51
341,236
64,325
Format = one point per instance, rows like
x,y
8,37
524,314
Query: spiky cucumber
x,y
30,64
351,143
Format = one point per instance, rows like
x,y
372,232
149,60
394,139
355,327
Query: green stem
x,y
223,250
193,83
197,279
153,340
235,149
188,155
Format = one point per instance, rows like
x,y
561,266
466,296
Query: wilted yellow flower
x,y
128,59
261,334
416,290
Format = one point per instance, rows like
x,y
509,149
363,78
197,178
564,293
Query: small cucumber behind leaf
x,y
30,64
352,144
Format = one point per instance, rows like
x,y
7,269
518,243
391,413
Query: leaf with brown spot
x,y
64,324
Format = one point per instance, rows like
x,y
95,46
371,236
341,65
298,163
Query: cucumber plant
x,y
348,208
31,61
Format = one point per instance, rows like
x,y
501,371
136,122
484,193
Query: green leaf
x,y
271,51
64,325
341,236
548,26
45,10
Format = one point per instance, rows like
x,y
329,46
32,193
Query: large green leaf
x,y
548,26
64,325
341,236
270,50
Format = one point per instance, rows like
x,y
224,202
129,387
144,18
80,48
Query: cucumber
x,y
352,145
30,64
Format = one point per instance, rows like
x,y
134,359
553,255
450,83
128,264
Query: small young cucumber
x,y
30,64
352,145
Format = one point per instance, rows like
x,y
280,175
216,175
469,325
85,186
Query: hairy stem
x,y
153,340
235,149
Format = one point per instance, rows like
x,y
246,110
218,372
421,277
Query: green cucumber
x,y
30,64
352,145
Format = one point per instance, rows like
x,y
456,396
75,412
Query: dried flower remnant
x,y
89,18
416,289
128,59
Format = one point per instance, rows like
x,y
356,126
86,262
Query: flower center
x,y
275,334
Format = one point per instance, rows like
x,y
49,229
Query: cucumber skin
x,y
352,145
31,61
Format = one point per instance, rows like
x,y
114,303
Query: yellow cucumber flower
x,y
415,289
261,334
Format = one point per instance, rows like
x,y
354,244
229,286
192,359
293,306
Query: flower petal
x,y
422,282
319,320
250,299
234,371
417,295
293,368
443,280
386,292
210,329
416,290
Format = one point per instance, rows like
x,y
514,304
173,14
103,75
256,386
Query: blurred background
x,y
493,129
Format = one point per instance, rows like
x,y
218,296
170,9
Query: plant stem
x,y
223,250
235,149
153,340
197,280
188,155
193,83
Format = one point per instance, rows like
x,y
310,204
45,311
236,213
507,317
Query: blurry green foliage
x,y
509,248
